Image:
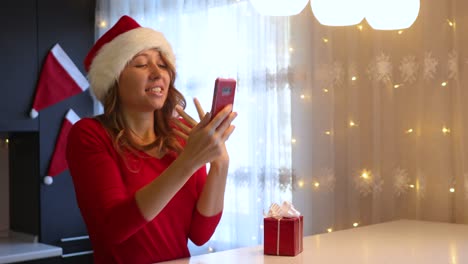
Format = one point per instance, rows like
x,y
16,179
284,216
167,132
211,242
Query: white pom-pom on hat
x,y
33,113
48,180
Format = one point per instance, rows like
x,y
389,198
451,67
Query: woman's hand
x,y
206,139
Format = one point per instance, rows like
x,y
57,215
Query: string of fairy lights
x,y
365,174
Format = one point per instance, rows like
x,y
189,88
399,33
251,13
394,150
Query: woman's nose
x,y
155,72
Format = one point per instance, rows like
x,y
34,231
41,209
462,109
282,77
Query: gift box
x,y
283,234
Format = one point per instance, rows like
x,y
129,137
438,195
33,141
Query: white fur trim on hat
x,y
111,59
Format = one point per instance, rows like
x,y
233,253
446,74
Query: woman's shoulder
x,y
88,125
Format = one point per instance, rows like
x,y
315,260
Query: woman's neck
x,y
141,127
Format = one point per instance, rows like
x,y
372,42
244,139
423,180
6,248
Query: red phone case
x,y
223,95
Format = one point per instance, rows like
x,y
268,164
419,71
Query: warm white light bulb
x,y
450,23
338,12
279,7
392,14
103,24
301,183
365,174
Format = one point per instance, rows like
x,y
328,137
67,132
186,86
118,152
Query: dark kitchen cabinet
x,y
28,30
19,67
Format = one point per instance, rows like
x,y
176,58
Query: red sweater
x,y
105,190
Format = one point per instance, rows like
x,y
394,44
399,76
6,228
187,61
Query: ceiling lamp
x,y
338,12
279,7
392,14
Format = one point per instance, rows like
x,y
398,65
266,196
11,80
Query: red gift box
x,y
283,237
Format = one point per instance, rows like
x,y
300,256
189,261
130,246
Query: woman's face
x,y
144,82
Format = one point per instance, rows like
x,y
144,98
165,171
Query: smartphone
x,y
224,91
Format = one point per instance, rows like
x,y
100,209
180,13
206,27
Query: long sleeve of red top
x,y
105,187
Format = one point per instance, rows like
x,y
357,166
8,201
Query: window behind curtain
x,y
228,39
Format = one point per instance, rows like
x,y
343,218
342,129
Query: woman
x,y
138,170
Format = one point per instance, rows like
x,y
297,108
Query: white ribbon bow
x,y
285,210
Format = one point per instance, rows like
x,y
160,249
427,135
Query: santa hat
x,y
59,79
58,162
109,55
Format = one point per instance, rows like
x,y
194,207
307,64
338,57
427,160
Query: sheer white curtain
x,y
380,119
228,39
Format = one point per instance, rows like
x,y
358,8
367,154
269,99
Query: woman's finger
x,y
205,120
221,116
228,133
181,134
201,112
227,122
186,116
182,126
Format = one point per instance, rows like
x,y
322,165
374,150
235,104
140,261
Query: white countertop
x,y
16,247
402,241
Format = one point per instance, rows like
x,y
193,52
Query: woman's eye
x,y
141,65
164,66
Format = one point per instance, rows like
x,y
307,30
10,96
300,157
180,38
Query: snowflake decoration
x,y
383,67
296,76
401,182
380,69
352,69
368,183
364,186
337,74
326,179
286,178
452,64
430,66
241,176
409,68
378,184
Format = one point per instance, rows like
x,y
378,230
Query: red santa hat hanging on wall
x,y
59,79
58,162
